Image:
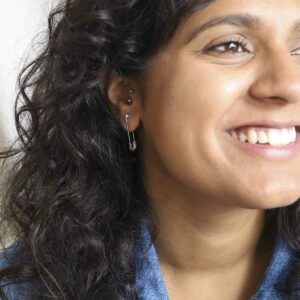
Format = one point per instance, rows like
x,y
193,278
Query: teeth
x,y
242,137
285,135
252,136
234,134
272,136
293,134
262,137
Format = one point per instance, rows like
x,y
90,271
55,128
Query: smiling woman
x,y
158,154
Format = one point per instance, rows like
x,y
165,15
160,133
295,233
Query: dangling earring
x,y
131,138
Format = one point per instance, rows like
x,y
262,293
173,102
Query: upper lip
x,y
268,124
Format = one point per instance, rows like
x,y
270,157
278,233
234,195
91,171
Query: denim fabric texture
x,y
150,284
12,291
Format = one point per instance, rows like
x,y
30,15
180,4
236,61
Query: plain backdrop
x,y
20,21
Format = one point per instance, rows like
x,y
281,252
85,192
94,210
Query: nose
x,y
277,78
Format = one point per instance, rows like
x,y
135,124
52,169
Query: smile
x,y
267,142
258,135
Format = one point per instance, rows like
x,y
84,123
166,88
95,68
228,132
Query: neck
x,y
208,242
197,234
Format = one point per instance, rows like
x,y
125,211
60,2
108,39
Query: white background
x,y
20,21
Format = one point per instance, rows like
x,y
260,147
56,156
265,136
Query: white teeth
x,y
234,134
285,136
252,136
242,137
272,136
293,134
262,137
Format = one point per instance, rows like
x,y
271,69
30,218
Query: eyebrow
x,y
240,20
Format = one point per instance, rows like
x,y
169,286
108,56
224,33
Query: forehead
x,y
254,5
272,15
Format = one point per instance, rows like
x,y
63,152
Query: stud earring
x,y
129,100
131,138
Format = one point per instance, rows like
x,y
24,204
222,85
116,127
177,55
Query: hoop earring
x,y
131,138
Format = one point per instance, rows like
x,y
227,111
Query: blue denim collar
x,y
150,284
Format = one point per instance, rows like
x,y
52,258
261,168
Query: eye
x,y
295,52
230,47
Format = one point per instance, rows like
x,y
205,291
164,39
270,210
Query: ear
x,y
125,98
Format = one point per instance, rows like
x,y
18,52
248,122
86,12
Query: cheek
x,y
183,119
190,102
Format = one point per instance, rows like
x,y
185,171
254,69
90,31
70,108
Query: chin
x,y
272,201
270,193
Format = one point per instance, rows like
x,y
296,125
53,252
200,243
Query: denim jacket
x,y
150,284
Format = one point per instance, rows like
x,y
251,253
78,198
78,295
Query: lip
x,y
268,152
267,124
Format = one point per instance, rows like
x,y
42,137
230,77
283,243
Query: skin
x,y
209,196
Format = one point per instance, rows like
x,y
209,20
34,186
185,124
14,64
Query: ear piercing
x,y
131,138
129,100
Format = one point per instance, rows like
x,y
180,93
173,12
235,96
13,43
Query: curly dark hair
x,y
75,195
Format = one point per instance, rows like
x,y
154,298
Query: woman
x,y
159,154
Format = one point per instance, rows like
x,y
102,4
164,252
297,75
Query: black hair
x,y
74,194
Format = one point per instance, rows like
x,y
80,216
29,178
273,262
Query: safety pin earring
x,y
131,138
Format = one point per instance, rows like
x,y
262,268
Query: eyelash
x,y
239,43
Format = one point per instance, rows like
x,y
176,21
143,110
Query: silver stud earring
x,y
129,100
131,138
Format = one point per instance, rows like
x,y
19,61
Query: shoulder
x,y
275,278
9,254
7,258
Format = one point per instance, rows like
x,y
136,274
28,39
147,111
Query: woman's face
x,y
234,65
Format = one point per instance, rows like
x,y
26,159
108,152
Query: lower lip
x,y
267,151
